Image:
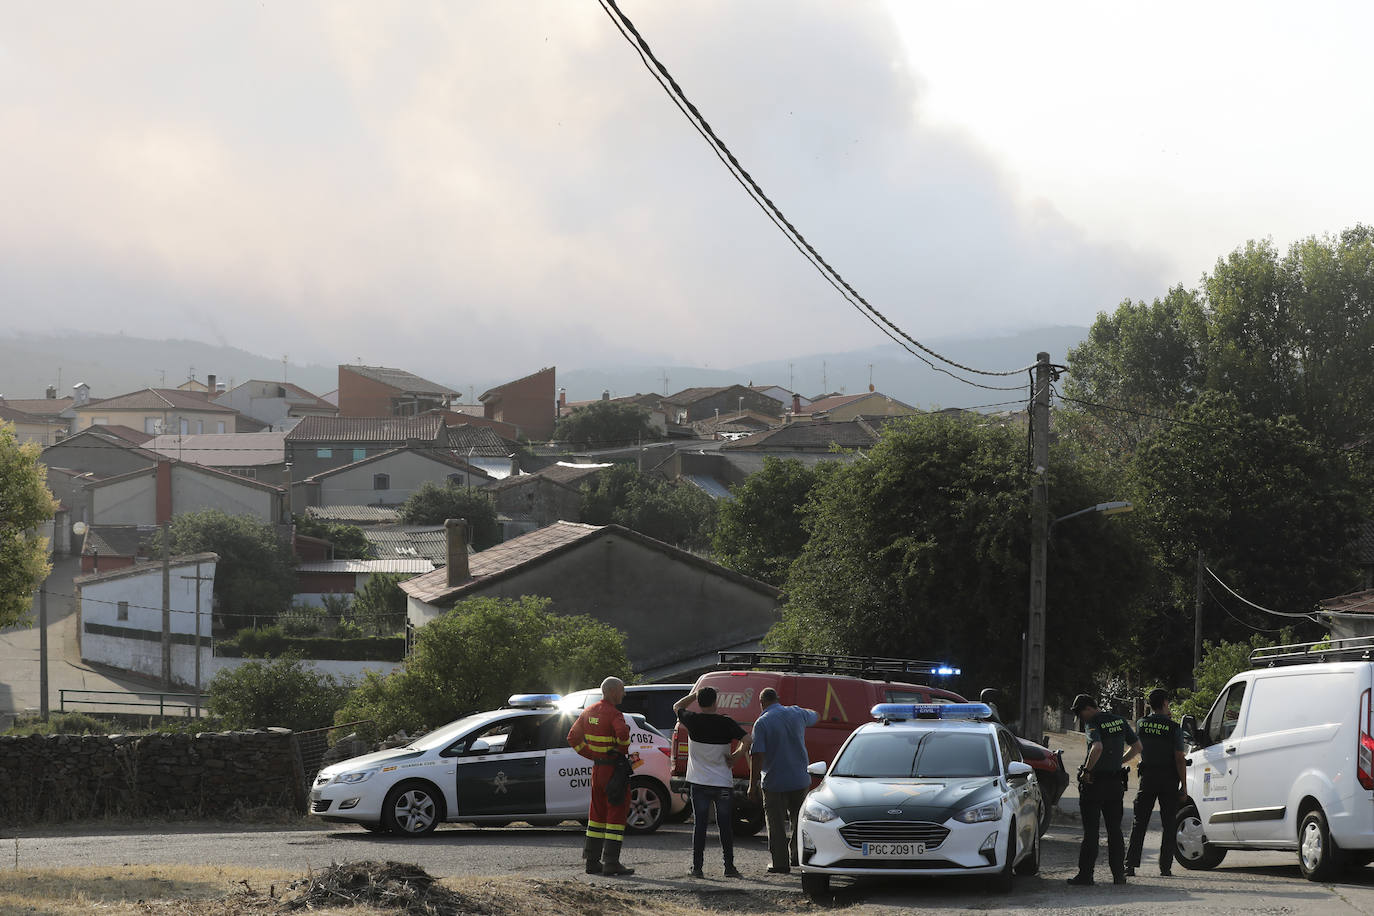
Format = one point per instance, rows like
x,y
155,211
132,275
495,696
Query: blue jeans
x,y
702,799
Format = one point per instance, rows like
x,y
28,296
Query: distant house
x,y
691,404
157,411
733,426
319,444
529,501
851,406
59,411
789,399
154,495
399,542
78,462
358,516
45,429
378,391
675,608
815,436
318,578
278,405
257,456
106,548
481,447
386,479
526,403
649,403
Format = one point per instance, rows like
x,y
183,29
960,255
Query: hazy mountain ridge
x,y
115,364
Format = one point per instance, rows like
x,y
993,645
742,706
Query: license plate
x,y
894,850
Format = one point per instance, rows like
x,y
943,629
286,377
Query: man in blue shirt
x,y
778,761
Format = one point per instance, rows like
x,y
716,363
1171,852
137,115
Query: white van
x,y
1285,760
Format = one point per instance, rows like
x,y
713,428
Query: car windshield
x,y
445,734
901,754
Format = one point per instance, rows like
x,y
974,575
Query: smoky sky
x,y
491,187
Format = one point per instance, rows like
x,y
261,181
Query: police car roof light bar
x,y
1351,648
901,712
815,663
533,700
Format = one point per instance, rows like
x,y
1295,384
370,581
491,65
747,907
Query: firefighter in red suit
x,y
602,735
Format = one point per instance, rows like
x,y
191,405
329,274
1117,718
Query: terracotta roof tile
x,y
395,430
400,380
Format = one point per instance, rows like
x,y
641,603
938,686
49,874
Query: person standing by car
x,y
710,762
602,735
1101,786
1162,776
777,763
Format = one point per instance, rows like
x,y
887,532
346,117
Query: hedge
x,y
272,642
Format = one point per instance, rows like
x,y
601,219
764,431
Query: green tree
x,y
760,530
1266,503
25,503
1220,662
603,424
671,511
433,504
348,541
256,571
922,551
477,655
282,692
380,603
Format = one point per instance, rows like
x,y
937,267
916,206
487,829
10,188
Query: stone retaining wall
x,y
213,774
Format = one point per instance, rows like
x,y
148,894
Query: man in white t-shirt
x,y
710,765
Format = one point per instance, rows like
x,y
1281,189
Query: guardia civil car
x,y
927,790
489,769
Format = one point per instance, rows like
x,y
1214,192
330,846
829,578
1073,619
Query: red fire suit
x,y
600,734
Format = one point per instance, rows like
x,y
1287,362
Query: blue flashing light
x,y
533,700
895,712
947,670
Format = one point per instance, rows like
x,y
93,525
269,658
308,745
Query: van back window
x,y
1300,700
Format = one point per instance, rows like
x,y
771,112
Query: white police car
x,y
489,769
927,790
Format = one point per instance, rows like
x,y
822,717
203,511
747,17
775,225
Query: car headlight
x,y
815,811
992,811
349,779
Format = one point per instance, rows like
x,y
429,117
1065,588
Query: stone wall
x,y
213,775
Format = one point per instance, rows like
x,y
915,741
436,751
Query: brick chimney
x,y
210,384
456,552
562,398
796,402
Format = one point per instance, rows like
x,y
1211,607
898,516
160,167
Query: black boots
x,y
592,853
610,862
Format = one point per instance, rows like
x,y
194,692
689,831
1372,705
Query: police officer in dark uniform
x,y
1162,777
1102,785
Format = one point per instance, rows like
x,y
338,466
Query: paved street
x,y
19,654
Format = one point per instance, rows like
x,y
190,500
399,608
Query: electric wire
x,y
670,85
1306,616
1243,623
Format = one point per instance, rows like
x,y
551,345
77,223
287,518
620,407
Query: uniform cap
x,y
1082,700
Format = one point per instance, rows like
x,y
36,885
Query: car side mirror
x,y
817,768
1189,726
1019,769
478,747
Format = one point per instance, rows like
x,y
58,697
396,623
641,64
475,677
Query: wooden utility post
x,y
166,606
43,649
1033,703
1197,617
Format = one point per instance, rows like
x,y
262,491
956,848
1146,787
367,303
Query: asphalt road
x,y
1263,883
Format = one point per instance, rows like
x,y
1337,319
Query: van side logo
x,y
735,699
829,696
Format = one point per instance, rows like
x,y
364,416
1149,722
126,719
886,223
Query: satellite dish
x,y
79,529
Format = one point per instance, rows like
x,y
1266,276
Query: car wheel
x,y
816,887
747,819
1030,865
1002,883
412,809
648,805
1191,848
1317,853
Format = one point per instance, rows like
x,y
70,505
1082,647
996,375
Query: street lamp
x,y
1033,673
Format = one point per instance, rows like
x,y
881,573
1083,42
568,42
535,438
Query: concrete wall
x,y
667,608
407,472
51,778
134,501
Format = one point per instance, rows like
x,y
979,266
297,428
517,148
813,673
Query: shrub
x,y
280,692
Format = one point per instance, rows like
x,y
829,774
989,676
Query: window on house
x,y
123,611
200,426
456,479
100,421
219,426
184,426
324,453
381,481
359,454
151,426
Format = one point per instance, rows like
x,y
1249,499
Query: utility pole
x,y
43,649
166,605
1033,704
1197,617
199,579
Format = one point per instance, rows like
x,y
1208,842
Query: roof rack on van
x,y
857,665
1352,648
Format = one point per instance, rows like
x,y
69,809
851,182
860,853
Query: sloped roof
x,y
1361,602
295,394
160,399
234,450
127,433
117,540
39,407
394,430
193,468
480,441
428,542
562,473
812,435
355,515
437,455
839,400
539,545
692,395
500,388
400,379
143,569
397,565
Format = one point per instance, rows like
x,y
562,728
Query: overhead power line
x,y
1291,614
689,110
